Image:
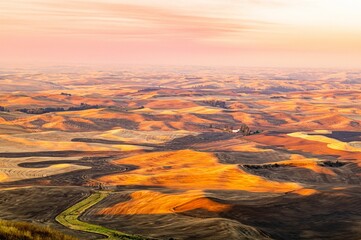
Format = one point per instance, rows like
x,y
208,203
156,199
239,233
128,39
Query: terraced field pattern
x,y
182,153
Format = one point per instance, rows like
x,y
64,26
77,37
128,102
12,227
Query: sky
x,y
255,33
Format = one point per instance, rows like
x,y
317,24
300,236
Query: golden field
x,y
179,153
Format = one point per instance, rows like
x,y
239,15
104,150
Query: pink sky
x,y
279,33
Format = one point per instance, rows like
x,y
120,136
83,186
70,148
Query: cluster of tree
x,y
4,109
281,89
150,89
275,165
126,109
332,164
40,110
201,86
244,129
278,97
240,129
82,106
193,78
263,166
352,81
216,103
245,89
254,132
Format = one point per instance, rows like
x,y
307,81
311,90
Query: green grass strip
x,y
70,219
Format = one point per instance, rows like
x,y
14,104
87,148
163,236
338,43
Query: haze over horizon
x,y
274,33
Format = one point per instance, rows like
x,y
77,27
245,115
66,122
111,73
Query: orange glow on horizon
x,y
277,33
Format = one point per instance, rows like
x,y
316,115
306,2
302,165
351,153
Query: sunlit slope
x,y
331,143
3,177
28,99
150,202
107,119
300,161
188,169
53,121
314,143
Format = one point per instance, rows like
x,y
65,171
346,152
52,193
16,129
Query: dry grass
x,y
10,230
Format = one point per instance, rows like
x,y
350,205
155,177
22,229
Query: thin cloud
x,y
126,19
